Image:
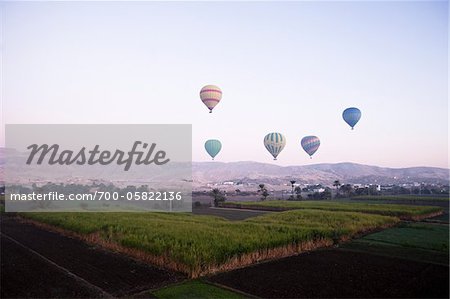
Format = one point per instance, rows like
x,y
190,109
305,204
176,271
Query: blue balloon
x,y
213,147
351,116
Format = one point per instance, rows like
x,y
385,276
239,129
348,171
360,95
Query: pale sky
x,y
289,67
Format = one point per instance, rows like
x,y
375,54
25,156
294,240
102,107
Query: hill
x,y
254,172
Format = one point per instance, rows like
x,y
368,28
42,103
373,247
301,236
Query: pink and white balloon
x,y
210,96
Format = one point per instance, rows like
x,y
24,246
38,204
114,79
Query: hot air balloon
x,y
274,143
351,116
310,144
210,96
213,147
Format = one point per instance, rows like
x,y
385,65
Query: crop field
x,y
402,198
401,211
415,235
424,236
198,245
195,289
229,214
423,242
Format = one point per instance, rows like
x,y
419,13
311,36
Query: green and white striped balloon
x,y
274,143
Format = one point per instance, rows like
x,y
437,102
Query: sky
x,y
288,67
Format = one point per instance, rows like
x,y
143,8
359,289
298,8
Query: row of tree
x,y
347,190
219,196
342,191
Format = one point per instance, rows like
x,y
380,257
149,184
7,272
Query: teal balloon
x,y
213,147
351,116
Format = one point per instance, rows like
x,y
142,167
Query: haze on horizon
x,y
289,67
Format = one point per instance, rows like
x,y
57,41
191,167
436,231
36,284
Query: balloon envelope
x,y
351,116
213,147
210,96
310,144
274,143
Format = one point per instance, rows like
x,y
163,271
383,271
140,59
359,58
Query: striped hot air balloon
x,y
213,147
210,96
351,116
310,144
274,143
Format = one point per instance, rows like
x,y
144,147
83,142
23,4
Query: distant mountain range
x,y
204,173
254,172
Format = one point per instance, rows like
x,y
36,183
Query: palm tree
x,y
337,184
292,193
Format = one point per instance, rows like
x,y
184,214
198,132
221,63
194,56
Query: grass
x,y
199,245
418,235
196,290
402,198
414,241
403,211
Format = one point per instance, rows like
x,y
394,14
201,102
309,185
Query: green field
x,y
403,211
196,290
417,235
402,198
425,242
198,245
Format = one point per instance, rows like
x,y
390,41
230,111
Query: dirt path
x,y
336,273
56,266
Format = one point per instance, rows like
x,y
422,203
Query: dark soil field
x,y
51,265
25,275
337,273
